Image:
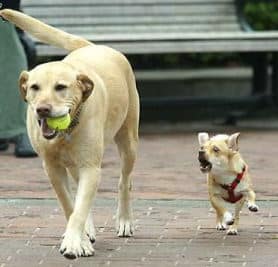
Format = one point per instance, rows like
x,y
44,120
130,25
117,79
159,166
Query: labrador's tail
x,y
43,32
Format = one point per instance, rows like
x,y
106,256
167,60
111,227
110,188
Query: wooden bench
x,y
162,26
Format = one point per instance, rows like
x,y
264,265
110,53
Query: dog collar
x,y
75,120
231,188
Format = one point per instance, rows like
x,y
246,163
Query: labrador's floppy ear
x,y
202,138
233,141
23,78
86,85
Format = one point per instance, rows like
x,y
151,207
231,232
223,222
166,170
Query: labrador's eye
x,y
60,87
35,87
216,149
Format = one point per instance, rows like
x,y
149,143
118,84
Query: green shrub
x,y
262,15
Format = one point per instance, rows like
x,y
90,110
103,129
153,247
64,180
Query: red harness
x,y
231,188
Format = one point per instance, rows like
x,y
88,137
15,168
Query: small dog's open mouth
x,y
205,166
46,131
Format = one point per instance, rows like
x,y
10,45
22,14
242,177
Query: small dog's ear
x,y
86,85
202,138
23,78
233,141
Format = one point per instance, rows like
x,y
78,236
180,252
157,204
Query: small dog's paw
x,y
124,228
232,231
228,218
253,207
221,226
73,247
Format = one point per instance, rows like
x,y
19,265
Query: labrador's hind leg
x,y
126,141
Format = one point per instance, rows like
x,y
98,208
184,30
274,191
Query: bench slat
x,y
151,29
176,37
189,74
80,11
115,2
198,47
137,20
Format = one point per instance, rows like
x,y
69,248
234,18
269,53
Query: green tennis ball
x,y
59,123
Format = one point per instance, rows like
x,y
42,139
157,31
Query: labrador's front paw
x,y
73,246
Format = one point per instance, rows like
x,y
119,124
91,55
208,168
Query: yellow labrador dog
x,y
96,86
228,178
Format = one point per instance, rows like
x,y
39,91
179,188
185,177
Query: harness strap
x,y
230,188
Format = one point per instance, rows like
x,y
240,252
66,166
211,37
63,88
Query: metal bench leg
x,y
260,77
275,78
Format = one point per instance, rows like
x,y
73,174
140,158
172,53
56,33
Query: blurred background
x,y
215,86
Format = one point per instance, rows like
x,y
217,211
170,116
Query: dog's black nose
x,y
202,156
43,110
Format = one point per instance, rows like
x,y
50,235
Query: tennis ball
x,y
59,123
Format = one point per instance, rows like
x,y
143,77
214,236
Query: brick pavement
x,y
168,233
174,223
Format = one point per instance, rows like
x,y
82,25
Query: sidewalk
x,y
174,221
